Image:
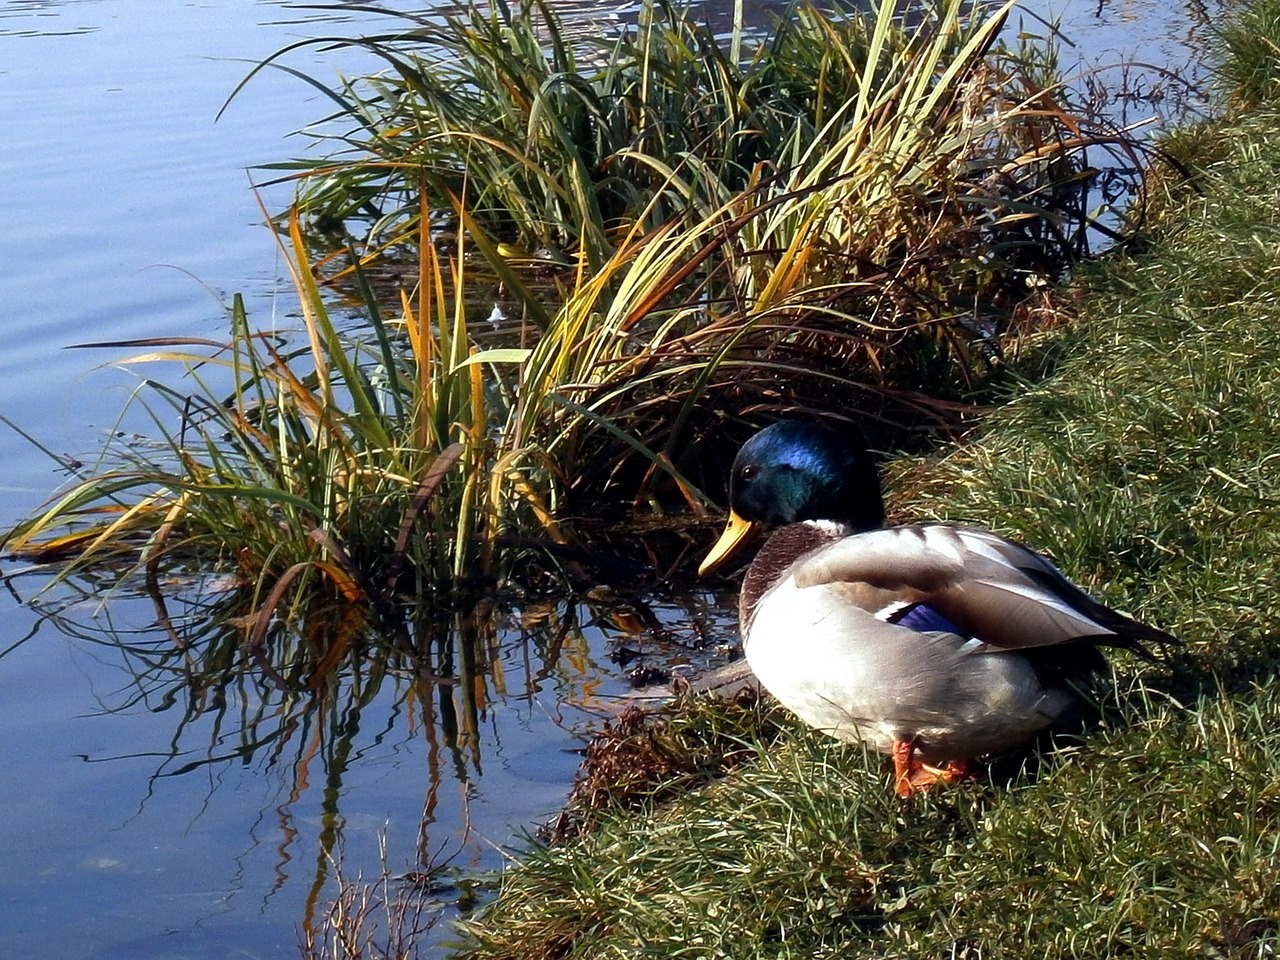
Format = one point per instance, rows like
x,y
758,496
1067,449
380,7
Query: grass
x,y
1248,55
1146,464
1110,852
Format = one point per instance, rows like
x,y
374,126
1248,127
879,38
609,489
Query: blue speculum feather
x,y
923,618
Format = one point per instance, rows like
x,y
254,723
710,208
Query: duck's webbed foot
x,y
911,774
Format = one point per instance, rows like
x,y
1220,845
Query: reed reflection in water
x,y
466,724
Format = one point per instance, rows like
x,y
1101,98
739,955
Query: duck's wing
x,y
994,589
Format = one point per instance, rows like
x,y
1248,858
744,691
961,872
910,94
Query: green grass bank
x,y
1147,463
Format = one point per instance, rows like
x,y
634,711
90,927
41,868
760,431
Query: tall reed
x,y
864,202
325,463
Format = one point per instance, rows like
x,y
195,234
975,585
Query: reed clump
x,y
840,211
844,213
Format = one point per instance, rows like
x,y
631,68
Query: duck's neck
x,y
784,547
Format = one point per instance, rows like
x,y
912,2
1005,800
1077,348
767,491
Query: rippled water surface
x,y
133,827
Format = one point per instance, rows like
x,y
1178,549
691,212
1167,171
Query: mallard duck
x,y
932,642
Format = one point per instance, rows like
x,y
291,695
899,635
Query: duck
x,y
934,643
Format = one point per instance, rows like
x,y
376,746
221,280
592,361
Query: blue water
x,y
127,213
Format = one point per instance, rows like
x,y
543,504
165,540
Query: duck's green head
x,y
793,471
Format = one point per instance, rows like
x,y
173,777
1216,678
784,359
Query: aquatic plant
x,y
323,465
879,196
562,139
842,211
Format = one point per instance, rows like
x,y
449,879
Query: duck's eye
x,y
748,473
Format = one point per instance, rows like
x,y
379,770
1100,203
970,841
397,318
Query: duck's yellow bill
x,y
737,534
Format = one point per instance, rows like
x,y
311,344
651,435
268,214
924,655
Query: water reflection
x,y
319,714
57,18
42,18
343,11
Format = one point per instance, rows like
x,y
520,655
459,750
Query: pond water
x,y
133,827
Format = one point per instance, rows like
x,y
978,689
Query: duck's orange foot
x,y
911,774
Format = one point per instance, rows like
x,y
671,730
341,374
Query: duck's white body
x,y
822,638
